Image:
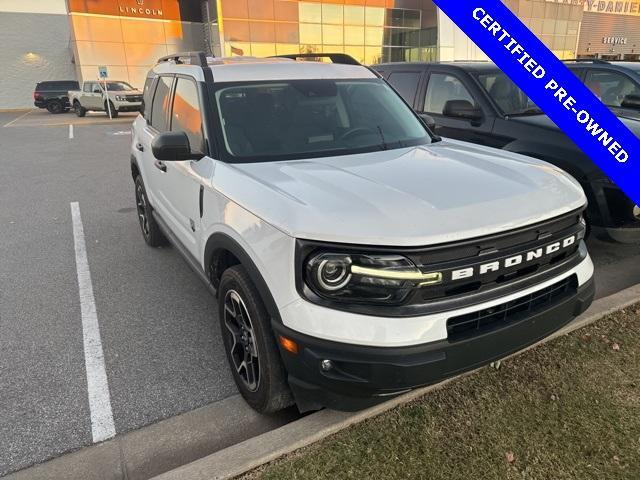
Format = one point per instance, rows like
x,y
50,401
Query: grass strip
x,y
568,409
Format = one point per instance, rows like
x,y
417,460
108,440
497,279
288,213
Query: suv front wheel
x,y
250,345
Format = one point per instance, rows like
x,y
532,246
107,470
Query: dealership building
x,y
70,39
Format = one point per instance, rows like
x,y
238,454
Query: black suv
x,y
616,84
476,102
52,95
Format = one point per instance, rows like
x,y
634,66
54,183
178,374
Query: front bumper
x,y
128,107
362,376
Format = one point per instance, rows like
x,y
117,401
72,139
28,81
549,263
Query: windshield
x,y
267,121
119,86
510,99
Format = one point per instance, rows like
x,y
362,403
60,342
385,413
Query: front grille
x,y
473,254
488,319
134,98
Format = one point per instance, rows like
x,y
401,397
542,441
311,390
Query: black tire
x,y
79,109
55,106
114,112
151,232
247,336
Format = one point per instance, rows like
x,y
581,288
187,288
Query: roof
x,y
239,69
476,66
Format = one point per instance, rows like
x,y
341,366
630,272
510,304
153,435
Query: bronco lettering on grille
x,y
512,261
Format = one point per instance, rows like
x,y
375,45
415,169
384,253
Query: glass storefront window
x,y
412,18
310,33
310,12
332,14
374,16
353,35
353,15
332,34
287,48
394,17
561,27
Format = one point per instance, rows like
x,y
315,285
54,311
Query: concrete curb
x,y
242,457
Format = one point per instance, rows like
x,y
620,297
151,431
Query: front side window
x,y
119,86
160,107
507,95
185,116
269,121
442,88
610,87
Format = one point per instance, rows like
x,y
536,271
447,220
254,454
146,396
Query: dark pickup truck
x,y
476,102
53,96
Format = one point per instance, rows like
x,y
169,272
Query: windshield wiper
x,y
384,143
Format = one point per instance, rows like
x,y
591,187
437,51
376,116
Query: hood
x,y
415,196
629,117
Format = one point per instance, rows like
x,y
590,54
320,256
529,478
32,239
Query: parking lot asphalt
x,y
162,351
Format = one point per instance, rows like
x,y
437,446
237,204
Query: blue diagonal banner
x,y
552,86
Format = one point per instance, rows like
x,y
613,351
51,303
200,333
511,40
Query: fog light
x,y
636,212
326,365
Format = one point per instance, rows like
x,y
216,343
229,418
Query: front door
x,y
182,181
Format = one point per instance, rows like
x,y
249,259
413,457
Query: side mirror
x,y
428,121
173,146
461,109
631,101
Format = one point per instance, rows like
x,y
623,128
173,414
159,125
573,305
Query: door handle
x,y
139,147
160,166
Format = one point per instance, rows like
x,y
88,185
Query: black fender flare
x,y
222,241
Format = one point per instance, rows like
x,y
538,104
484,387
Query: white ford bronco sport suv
x,y
354,254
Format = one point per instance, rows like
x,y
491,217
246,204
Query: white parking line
x,y
70,130
16,119
102,426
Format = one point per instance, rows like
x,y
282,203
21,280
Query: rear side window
x,y
146,97
160,106
442,88
406,83
185,115
88,87
610,87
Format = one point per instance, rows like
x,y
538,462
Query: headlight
x,y
365,277
120,98
636,212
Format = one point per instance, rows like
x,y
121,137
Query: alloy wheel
x,y
244,352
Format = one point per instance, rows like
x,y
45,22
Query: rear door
x,y
157,121
444,86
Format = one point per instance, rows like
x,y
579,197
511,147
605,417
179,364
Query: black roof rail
x,y
592,60
196,58
342,58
